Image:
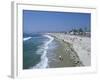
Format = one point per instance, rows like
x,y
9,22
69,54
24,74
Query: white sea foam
x,y
44,60
27,38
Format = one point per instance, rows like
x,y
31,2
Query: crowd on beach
x,y
81,45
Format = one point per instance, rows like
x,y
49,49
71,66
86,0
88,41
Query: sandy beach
x,y
66,52
79,48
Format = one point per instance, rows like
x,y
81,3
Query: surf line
x,y
27,38
44,60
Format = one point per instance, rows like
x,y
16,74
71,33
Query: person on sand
x,y
60,58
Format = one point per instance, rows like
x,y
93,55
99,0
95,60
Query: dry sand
x,y
66,52
81,46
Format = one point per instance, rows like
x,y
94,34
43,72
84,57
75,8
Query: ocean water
x,y
35,48
43,51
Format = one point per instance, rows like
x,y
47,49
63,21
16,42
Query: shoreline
x,y
70,58
79,46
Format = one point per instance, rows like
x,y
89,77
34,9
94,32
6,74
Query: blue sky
x,y
47,21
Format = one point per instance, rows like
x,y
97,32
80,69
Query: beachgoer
x,y
60,57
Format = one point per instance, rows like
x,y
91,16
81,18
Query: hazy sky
x,y
47,21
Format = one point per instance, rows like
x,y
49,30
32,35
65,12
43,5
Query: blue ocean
x,y
35,48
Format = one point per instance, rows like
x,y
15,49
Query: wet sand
x,y
66,51
80,45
